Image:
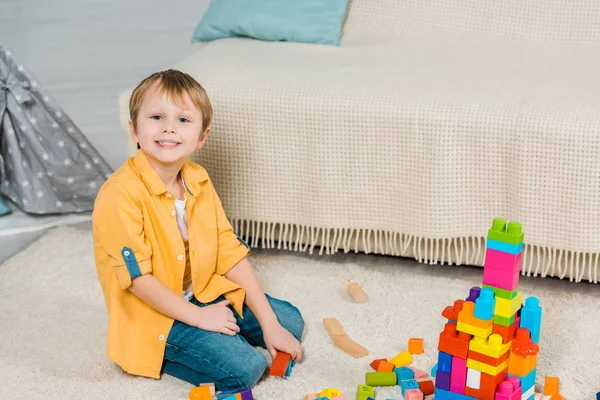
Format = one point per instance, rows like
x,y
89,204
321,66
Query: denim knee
x,y
251,368
293,322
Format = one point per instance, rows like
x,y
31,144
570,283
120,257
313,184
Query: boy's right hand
x,y
218,317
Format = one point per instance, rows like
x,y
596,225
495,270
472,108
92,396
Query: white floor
x,y
85,52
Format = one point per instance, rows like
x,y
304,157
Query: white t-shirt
x,y
188,291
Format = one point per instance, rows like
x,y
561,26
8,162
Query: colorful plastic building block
x,y
474,293
442,380
413,394
501,279
473,378
402,359
433,371
507,332
201,393
502,293
473,326
404,373
493,361
427,387
523,356
415,345
444,362
458,375
504,247
280,364
487,369
485,305
441,394
375,363
451,312
453,342
492,347
381,378
510,234
502,261
508,308
510,389
531,317
364,392
551,385
527,381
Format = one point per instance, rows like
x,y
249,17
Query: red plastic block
x,y
490,383
507,332
494,362
280,364
451,312
426,387
453,342
502,261
375,363
480,394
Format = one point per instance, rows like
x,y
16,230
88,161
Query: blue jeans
x,y
230,362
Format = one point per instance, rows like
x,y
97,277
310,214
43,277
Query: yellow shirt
x,y
135,233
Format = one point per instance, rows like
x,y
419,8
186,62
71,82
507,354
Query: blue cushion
x,y
305,21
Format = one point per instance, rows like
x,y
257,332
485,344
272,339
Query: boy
x,y
181,296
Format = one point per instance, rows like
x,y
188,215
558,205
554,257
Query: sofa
x,y
427,121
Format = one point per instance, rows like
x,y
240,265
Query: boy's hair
x,y
175,84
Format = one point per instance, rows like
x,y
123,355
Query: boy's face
x,y
166,131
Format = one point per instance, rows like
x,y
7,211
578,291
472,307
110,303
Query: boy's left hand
x,y
277,338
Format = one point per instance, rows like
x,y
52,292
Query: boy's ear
x,y
133,134
202,138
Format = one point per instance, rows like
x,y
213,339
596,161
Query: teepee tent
x,y
47,166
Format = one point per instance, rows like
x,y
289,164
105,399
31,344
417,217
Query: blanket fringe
x,y
537,260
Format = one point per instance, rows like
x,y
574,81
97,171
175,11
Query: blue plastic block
x,y
408,384
531,317
404,373
485,305
434,371
473,293
505,247
288,371
441,394
598,396
444,362
442,381
527,382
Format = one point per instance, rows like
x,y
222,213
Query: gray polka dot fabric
x,y
47,166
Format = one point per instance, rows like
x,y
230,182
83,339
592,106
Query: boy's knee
x,y
252,367
293,322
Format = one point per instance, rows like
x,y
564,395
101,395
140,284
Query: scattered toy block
x,y
375,363
280,364
415,346
404,373
201,393
531,317
333,327
311,396
427,387
453,342
408,384
510,389
350,347
473,326
492,347
402,359
458,375
381,379
356,292
413,394
551,385
386,366
330,392
364,392
473,378
418,374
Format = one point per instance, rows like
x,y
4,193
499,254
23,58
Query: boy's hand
x,y
217,318
277,338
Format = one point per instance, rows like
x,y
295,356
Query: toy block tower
x,y
488,348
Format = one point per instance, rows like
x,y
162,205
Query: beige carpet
x,y
53,326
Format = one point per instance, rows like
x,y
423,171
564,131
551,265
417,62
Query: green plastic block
x,y
381,378
503,320
364,392
502,293
511,234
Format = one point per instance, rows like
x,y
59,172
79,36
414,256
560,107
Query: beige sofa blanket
x,y
410,137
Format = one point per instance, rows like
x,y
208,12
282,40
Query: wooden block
x,y
311,396
334,328
356,292
385,366
350,346
280,364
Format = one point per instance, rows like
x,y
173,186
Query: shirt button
x,y
126,253
169,195
161,337
173,213
180,257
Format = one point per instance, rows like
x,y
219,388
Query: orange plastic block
x,y
385,366
523,355
427,387
451,312
375,363
280,364
551,385
453,342
493,361
415,345
200,393
507,332
491,382
558,396
523,344
474,326
480,394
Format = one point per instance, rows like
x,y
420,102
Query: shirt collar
x,y
192,175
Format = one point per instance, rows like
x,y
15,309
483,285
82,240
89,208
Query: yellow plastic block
x,y
492,346
402,359
474,326
507,308
486,369
330,392
476,331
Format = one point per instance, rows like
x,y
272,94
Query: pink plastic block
x,y
458,375
503,261
510,389
501,279
418,373
413,394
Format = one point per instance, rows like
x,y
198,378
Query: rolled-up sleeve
x,y
231,248
118,227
